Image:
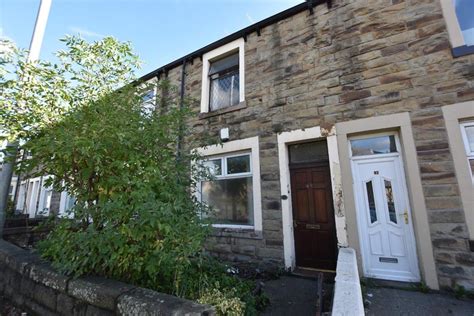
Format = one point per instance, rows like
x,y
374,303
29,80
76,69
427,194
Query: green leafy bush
x,y
135,218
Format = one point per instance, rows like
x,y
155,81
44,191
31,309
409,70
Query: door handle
x,y
405,215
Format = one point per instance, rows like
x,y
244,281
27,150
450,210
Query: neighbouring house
x,y
31,196
36,199
345,123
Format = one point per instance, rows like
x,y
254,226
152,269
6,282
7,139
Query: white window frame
x,y
239,148
225,175
455,115
208,57
43,192
456,37
469,152
20,203
13,185
63,202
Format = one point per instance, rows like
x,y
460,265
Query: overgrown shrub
x,y
135,218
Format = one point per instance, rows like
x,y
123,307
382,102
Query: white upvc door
x,y
384,218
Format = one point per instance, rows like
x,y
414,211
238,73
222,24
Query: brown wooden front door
x,y
313,216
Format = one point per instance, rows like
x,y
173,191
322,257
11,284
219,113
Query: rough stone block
x,y
146,302
449,230
247,250
452,271
444,258
64,304
452,216
44,273
275,253
45,296
37,309
221,248
95,311
450,244
15,257
27,287
466,259
97,291
80,309
442,203
13,279
274,242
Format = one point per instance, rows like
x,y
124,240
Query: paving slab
x,y
389,301
290,295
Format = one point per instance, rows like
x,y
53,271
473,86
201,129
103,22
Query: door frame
x,y
296,136
355,161
400,122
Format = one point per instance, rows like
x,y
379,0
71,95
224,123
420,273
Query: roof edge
x,y
256,27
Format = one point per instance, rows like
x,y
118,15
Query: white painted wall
x,y
347,291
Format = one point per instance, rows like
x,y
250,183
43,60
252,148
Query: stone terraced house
x,y
345,123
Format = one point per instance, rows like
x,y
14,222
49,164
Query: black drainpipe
x,y
181,106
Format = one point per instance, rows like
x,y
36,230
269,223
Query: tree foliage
x,y
135,217
36,94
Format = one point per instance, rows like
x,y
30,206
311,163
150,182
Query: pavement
x,y
291,295
389,301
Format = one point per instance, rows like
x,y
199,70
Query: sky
x,y
159,30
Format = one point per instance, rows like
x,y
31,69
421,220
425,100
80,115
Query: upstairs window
x,y
224,82
460,24
149,101
467,131
223,78
465,13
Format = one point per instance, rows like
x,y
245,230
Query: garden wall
x,y
33,285
347,291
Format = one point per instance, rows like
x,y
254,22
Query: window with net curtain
x,y
230,192
224,82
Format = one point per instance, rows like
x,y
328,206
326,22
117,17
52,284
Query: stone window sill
x,y
244,233
241,105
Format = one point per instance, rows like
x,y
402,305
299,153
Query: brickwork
x,y
359,59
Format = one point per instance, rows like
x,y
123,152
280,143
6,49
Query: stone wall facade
x,y
357,59
34,286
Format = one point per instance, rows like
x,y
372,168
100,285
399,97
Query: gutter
x,y
256,27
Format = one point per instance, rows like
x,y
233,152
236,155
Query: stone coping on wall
x,y
32,284
347,291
